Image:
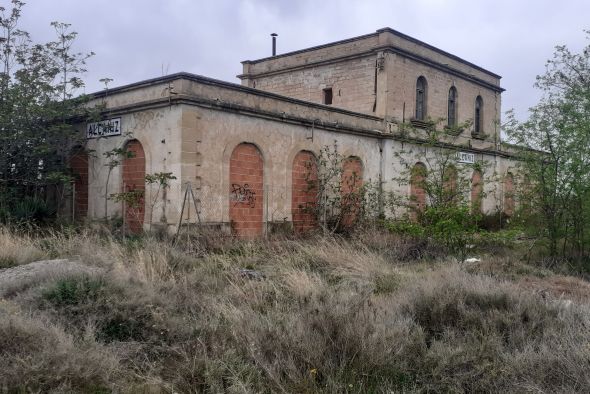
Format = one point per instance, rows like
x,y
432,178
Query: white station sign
x,y
104,128
465,157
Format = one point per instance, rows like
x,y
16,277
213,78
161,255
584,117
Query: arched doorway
x,y
509,194
304,177
476,192
79,167
246,202
417,190
450,193
351,184
134,181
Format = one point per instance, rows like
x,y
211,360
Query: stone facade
x,y
377,74
242,149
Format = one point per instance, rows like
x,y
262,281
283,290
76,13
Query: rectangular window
x,y
328,96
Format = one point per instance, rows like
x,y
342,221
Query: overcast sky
x,y
141,39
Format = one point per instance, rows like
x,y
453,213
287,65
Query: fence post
x,y
73,201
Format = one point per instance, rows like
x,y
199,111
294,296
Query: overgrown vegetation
x,y
555,156
328,315
38,99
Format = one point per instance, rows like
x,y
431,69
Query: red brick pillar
x,y
304,177
134,179
79,166
246,191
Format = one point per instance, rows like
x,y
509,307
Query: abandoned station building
x,y
243,148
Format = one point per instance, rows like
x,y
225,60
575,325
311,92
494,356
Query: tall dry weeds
x,y
324,315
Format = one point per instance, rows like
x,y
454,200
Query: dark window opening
x,y
452,116
328,96
478,119
421,98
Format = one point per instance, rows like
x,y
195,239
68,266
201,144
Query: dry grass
x,y
330,315
17,250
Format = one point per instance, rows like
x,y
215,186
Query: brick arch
x,y
417,190
304,177
351,182
246,178
79,165
509,194
134,179
476,191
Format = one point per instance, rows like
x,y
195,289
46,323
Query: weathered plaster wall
x,y
279,143
194,133
158,131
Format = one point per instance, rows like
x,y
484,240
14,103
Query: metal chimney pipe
x,y
274,43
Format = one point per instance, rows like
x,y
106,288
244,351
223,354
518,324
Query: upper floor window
x,y
421,87
452,115
478,118
328,96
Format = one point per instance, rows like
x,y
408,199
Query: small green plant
x,y
162,180
132,202
120,328
114,158
452,226
32,209
74,290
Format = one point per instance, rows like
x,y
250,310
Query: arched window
x,y
421,87
478,118
452,110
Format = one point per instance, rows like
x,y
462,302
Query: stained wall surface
x,y
377,74
194,133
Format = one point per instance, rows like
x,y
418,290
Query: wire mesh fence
x,y
185,204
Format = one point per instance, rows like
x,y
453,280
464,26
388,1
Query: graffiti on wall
x,y
242,194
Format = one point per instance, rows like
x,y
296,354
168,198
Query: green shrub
x,y
451,225
30,209
122,328
74,290
404,228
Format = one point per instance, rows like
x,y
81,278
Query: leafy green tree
x,y
555,154
441,211
38,87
